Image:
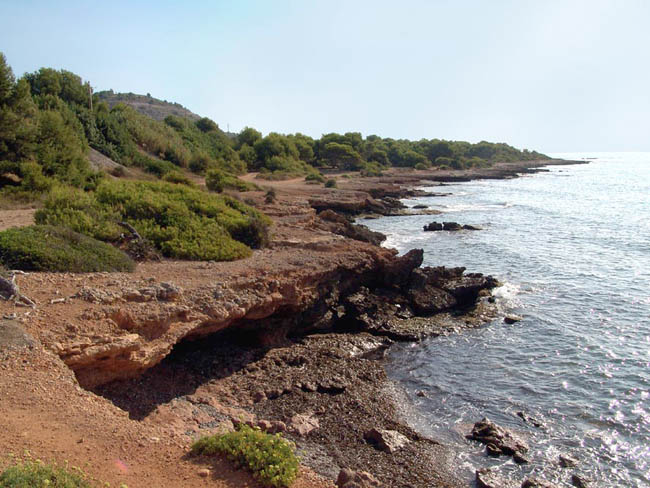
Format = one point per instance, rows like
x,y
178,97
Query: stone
x,y
303,423
537,483
512,319
451,226
432,227
488,432
204,473
349,478
520,458
579,481
530,420
471,227
386,440
488,478
567,461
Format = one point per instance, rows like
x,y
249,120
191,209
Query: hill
x,y
147,105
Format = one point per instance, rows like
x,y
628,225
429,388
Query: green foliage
x,y
206,125
178,178
47,248
217,181
34,474
421,166
316,177
371,169
46,119
270,458
181,222
331,183
341,156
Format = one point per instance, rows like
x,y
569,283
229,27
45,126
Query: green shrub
x,y
181,222
178,178
371,169
315,177
36,474
269,457
47,248
422,166
217,181
331,183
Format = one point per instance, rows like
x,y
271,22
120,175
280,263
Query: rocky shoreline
x,y
290,340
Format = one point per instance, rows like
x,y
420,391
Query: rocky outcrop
x,y
499,440
363,204
449,226
334,285
338,224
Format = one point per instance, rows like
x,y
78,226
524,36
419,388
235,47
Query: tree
x,y
248,136
7,80
341,156
206,125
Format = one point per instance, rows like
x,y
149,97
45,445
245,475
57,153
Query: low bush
x,y
181,222
217,181
36,474
47,248
270,458
331,183
177,177
315,177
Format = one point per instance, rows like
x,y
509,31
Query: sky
x,y
547,75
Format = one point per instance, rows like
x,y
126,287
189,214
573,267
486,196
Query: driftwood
x,y
9,291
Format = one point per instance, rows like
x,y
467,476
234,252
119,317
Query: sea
x,y
571,247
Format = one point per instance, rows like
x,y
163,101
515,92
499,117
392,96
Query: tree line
x,y
49,119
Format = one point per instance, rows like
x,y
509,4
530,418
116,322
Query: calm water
x,y
572,247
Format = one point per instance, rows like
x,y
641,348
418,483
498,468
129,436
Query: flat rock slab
x,y
13,336
386,440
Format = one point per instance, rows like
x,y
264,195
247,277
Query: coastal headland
x,y
119,372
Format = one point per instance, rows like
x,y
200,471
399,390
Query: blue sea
x,y
571,247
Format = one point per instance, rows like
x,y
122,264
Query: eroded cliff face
x,y
115,326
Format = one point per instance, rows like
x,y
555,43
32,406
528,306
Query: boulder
x,y
471,227
348,478
452,226
397,271
433,226
502,439
579,481
512,319
303,423
488,478
386,440
567,461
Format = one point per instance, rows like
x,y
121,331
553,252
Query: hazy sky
x,y
546,75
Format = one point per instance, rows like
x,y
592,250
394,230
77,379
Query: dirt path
x,y
16,218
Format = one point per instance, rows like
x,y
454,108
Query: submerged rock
x,y
537,483
567,461
512,319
